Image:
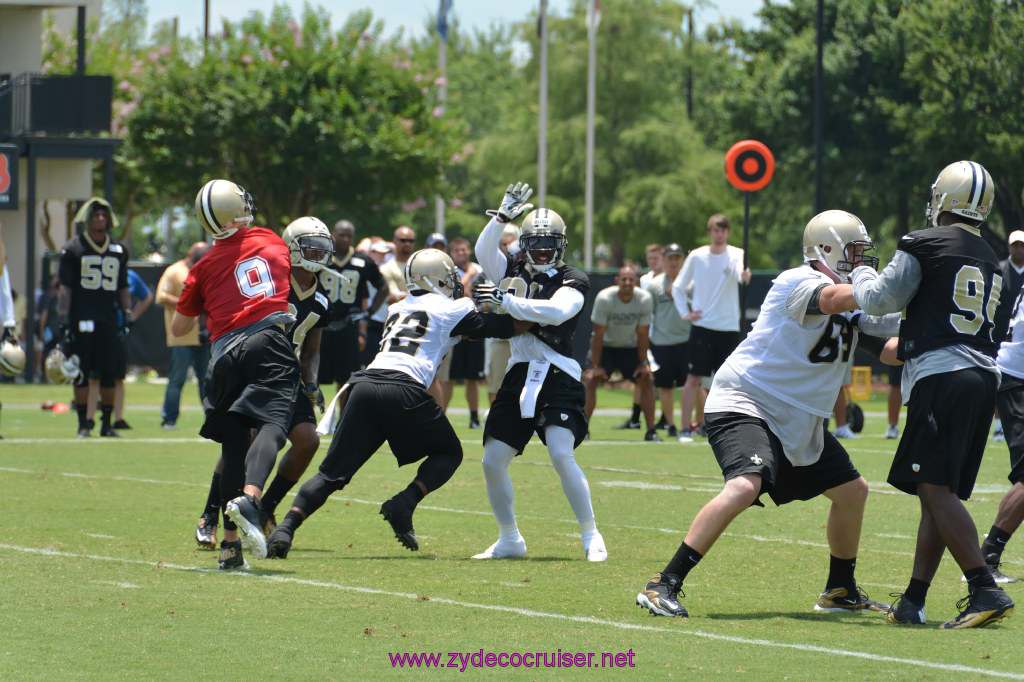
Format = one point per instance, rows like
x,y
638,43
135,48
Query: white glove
x,y
489,294
514,204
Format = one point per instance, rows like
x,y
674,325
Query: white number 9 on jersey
x,y
254,279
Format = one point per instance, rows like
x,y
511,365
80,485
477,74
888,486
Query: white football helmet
x,y
12,359
543,240
433,270
61,369
964,189
309,242
220,203
828,234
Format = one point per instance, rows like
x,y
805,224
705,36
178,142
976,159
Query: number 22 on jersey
x,y
403,331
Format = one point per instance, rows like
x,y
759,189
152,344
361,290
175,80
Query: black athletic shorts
x,y
1010,401
374,335
623,359
467,361
98,352
257,380
339,355
387,405
745,445
560,403
709,349
302,411
673,364
948,418
895,375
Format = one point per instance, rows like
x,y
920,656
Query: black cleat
x,y
672,432
980,607
905,612
244,512
629,424
839,600
109,432
85,428
206,532
279,543
653,436
661,596
662,423
400,518
121,424
230,557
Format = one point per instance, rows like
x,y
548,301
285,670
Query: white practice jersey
x,y
789,368
417,334
1010,359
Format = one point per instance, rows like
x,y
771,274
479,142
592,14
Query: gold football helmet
x,y
12,359
827,238
433,270
61,369
964,189
221,203
543,240
309,242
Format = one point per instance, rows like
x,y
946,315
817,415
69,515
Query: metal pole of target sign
x,y
749,166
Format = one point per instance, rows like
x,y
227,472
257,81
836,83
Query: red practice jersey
x,y
239,281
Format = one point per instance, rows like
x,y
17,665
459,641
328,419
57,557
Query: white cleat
x,y
892,432
504,549
845,431
595,548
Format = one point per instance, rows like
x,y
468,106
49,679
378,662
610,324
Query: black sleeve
x,y
373,275
477,325
872,344
814,302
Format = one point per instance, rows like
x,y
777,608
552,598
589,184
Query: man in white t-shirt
x,y
716,271
621,321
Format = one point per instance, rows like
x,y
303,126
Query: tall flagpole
x,y
442,93
593,19
542,133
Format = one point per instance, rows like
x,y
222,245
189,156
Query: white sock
x,y
574,483
497,457
997,424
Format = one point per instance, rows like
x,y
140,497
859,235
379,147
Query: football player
x,y
946,280
345,279
242,286
541,391
420,329
767,407
310,246
93,286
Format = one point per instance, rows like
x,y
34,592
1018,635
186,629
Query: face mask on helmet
x,y
61,369
964,189
310,244
432,270
221,203
838,240
543,240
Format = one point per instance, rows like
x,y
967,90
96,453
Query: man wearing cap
x,y
1012,270
670,335
437,241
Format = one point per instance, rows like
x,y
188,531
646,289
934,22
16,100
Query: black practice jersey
x,y
345,280
521,282
959,293
311,311
94,273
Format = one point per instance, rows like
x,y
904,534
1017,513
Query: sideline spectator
x,y
670,336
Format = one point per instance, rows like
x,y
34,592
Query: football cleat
x,y
998,436
400,518
672,432
685,436
839,600
653,437
980,607
997,575
662,423
279,543
892,432
475,424
845,431
231,557
169,426
109,432
629,424
504,549
121,424
905,612
594,547
268,522
206,533
661,596
244,511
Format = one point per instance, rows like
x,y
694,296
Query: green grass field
x,y
101,577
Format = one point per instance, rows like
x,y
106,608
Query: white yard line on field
x,y
531,613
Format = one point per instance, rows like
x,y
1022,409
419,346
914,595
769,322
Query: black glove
x,y
315,395
204,337
126,328
489,294
67,337
9,335
514,204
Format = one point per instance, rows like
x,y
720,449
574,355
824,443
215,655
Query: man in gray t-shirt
x,y
621,322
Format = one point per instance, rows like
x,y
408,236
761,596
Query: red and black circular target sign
x,y
749,165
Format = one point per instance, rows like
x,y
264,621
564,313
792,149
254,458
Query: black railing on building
x,y
34,104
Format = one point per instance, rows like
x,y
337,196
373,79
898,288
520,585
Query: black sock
x,y
279,487
213,499
474,416
840,573
291,522
636,413
106,411
683,562
413,495
994,545
979,577
80,409
917,590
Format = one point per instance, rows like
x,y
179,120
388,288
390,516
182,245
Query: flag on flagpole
x,y
442,19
